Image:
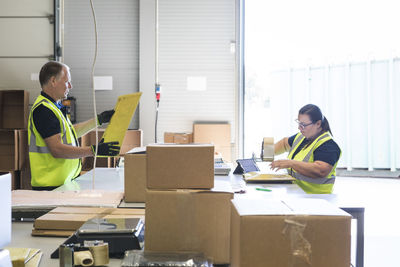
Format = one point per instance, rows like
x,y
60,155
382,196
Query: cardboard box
x,y
178,138
14,109
25,176
217,134
133,138
189,220
13,149
297,232
180,166
135,177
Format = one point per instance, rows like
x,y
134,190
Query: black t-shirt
x,y
328,152
46,122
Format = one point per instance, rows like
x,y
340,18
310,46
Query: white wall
x,y
118,51
26,43
147,69
194,41
361,101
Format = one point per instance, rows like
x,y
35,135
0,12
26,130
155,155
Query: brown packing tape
x,y
186,210
100,254
83,258
268,149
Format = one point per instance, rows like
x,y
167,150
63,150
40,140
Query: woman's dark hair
x,y
315,115
50,69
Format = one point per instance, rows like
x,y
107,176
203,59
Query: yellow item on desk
x,y
266,177
25,257
124,110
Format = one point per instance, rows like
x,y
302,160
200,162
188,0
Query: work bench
x,y
112,179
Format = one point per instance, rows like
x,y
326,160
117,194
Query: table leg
x,y
358,214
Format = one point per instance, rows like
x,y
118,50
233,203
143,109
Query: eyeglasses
x,y
302,125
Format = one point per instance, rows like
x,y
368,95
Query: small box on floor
x,y
296,232
189,220
180,166
178,138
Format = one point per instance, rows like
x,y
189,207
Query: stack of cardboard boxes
x,y
14,112
185,210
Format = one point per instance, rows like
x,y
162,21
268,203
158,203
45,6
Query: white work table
x,y
112,179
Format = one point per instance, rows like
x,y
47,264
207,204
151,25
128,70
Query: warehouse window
x,y
340,55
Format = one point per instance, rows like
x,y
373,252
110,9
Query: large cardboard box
x,y
218,134
13,149
178,138
297,232
14,109
135,177
180,166
133,138
189,220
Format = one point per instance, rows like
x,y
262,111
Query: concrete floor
x,y
381,198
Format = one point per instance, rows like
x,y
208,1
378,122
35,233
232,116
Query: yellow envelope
x,y
124,110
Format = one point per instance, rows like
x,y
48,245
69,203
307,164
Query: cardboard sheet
x,y
63,221
58,233
124,110
49,199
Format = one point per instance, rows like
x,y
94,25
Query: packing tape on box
x,y
299,245
188,225
268,149
83,258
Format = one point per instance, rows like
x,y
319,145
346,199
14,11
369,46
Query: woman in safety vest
x,y
313,154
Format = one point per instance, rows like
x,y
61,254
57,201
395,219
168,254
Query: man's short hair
x,y
50,69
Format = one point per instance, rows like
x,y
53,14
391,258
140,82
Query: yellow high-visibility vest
x,y
45,169
323,185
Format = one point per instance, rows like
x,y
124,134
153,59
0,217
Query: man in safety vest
x,y
54,151
313,154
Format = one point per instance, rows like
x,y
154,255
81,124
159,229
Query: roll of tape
x,y
268,149
84,258
100,254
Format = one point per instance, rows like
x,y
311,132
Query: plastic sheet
x,y
139,258
300,246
